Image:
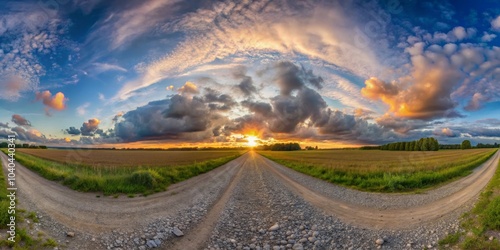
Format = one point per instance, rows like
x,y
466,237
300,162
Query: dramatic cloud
x,y
246,85
439,75
317,31
290,77
56,102
304,113
179,117
218,101
289,111
30,135
90,127
20,121
117,117
4,125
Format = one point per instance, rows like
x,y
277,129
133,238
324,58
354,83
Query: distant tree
x,y
466,145
4,145
419,144
425,144
434,144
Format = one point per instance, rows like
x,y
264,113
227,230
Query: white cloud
x,y
124,26
495,23
101,97
103,67
488,37
31,32
82,110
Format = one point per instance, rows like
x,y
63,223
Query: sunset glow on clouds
x,y
185,73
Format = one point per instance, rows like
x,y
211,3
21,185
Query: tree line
x,y
281,147
24,145
424,144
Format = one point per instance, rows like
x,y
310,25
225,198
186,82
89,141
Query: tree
x,y
433,144
466,145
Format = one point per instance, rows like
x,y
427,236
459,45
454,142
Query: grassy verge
x,y
4,201
380,180
114,180
23,239
481,226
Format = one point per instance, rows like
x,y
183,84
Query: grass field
x,y
482,222
383,171
158,170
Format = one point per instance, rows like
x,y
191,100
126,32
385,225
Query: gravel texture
x,y
264,214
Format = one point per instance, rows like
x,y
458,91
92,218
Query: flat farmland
x,y
115,171
128,158
383,171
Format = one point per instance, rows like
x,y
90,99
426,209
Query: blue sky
x,y
169,72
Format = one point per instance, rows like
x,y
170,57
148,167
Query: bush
x,y
146,178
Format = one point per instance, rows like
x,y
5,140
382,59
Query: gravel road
x,y
251,203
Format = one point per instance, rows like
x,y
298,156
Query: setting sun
x,y
252,141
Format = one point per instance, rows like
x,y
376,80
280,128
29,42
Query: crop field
x,y
129,172
383,171
127,158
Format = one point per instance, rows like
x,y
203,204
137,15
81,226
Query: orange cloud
x,y
90,127
423,94
56,102
188,88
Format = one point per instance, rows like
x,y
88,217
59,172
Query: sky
x,y
169,73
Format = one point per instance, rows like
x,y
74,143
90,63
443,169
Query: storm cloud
x,y
290,77
167,119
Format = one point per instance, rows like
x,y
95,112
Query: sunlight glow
x,y
252,141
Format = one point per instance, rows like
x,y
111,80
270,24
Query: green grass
x,y
23,240
379,171
33,217
4,201
115,180
482,220
450,239
49,243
